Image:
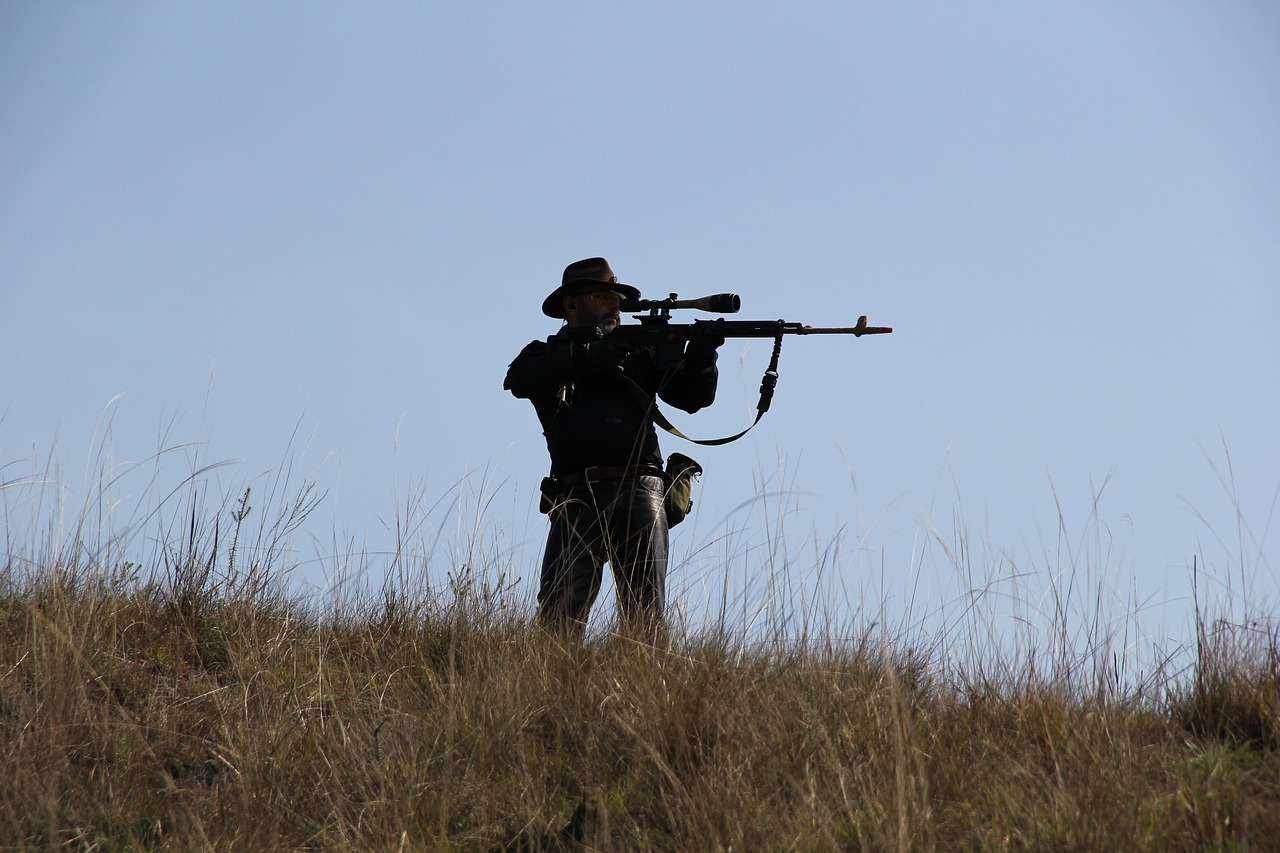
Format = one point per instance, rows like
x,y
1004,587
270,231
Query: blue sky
x,y
307,238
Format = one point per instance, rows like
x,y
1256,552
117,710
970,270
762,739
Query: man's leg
x,y
638,553
572,564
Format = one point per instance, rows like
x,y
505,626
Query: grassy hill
x,y
196,702
200,708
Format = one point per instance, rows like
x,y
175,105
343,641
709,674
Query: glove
x,y
604,356
708,334
705,338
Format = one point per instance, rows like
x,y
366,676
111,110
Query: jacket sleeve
x,y
538,371
692,385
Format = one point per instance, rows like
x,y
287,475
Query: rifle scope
x,y
718,303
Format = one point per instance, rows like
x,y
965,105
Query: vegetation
x,y
199,706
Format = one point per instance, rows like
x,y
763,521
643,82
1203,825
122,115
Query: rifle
x,y
669,339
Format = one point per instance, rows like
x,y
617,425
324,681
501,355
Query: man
x,y
594,396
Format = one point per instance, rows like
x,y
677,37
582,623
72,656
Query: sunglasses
x,y
602,297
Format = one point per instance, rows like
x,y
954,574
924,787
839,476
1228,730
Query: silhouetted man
x,y
594,396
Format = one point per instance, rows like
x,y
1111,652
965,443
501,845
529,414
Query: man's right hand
x,y
603,356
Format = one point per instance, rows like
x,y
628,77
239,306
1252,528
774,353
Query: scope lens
x,y
726,303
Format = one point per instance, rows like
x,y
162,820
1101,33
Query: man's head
x,y
593,306
589,295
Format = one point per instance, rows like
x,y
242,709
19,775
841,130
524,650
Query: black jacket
x,y
594,417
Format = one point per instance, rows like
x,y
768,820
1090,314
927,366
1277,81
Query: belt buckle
x,y
589,475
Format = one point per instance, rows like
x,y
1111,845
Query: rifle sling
x,y
767,383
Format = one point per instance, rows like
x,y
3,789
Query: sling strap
x,y
767,383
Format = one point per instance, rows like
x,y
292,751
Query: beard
x,y
607,321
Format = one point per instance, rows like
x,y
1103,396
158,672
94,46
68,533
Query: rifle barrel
x,y
766,328
843,330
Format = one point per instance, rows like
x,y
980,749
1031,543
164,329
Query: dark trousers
x,y
621,522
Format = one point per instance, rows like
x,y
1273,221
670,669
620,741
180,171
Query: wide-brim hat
x,y
583,275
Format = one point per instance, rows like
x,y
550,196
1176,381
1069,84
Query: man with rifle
x,y
594,386
594,395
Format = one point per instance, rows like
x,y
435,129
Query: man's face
x,y
597,307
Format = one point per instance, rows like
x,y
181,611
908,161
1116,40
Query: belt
x,y
616,472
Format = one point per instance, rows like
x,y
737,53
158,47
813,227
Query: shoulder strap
x,y
767,383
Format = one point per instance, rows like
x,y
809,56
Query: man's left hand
x,y
707,335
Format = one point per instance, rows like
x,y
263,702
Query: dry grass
x,y
197,705
177,714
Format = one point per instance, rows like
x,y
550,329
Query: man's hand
x,y
704,339
707,335
603,356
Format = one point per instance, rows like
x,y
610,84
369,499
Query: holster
x,y
549,493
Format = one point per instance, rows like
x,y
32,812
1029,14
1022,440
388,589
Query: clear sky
x,y
306,239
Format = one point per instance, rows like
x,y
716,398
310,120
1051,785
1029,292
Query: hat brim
x,y
553,305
